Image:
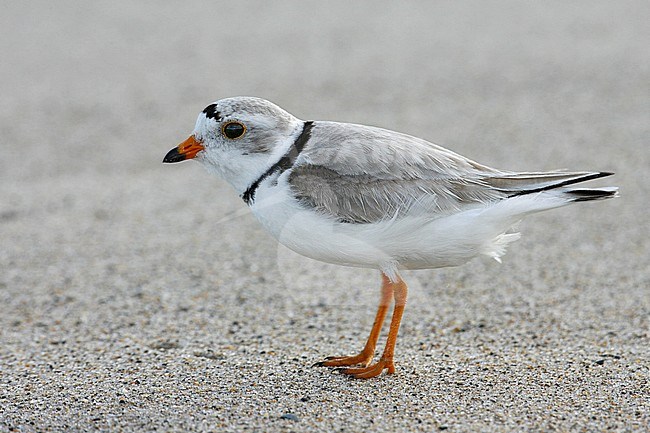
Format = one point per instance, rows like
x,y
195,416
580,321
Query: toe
x,y
366,372
344,361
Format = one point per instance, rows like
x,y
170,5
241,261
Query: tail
x,y
529,193
518,184
587,194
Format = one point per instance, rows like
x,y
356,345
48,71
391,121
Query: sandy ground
x,y
140,297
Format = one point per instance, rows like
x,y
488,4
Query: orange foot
x,y
371,370
343,361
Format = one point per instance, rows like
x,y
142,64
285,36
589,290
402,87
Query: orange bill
x,y
186,150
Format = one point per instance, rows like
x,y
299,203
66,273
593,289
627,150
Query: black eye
x,y
233,130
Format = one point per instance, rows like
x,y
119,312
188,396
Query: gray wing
x,y
362,174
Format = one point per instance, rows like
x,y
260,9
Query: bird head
x,y
238,139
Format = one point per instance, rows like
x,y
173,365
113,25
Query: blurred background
x,y
94,94
102,243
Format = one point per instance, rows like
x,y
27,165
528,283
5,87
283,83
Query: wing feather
x,y
362,174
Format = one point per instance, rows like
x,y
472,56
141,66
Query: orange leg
x,y
365,356
386,361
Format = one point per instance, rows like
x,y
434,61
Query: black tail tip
x,y
588,194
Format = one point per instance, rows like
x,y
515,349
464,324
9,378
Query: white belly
x,y
407,243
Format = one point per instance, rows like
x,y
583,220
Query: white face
x,y
242,137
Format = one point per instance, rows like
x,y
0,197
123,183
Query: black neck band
x,y
285,163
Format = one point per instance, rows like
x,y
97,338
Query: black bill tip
x,y
174,156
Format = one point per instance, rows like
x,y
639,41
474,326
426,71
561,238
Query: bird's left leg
x,y
365,356
386,361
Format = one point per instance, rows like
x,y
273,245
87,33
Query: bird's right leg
x,y
365,356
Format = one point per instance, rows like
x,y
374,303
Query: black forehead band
x,y
212,113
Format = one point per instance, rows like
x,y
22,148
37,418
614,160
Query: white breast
x,y
311,234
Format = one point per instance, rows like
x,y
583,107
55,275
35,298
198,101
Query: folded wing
x,y
360,174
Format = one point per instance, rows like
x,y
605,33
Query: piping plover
x,y
362,196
